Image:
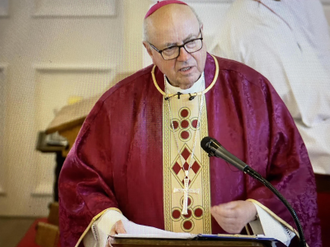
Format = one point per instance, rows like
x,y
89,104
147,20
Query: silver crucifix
x,y
186,192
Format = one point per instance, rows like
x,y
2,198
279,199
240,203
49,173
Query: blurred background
x,y
54,53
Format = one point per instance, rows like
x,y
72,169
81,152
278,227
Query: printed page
x,y
140,231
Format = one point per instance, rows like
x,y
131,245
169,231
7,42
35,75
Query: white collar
x,y
198,86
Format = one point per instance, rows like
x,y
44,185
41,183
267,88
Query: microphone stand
x,y
248,170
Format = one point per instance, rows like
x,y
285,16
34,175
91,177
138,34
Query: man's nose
x,y
183,54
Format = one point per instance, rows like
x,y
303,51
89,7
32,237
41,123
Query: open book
x,y
140,231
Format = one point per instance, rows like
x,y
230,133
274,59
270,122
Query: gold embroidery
x,y
198,219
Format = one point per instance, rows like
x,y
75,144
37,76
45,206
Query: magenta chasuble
x,y
117,159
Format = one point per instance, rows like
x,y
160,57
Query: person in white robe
x,y
288,42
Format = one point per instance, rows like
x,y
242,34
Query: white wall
x,y
51,51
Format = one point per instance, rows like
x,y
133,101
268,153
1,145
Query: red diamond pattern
x,y
186,166
179,172
176,168
195,167
185,153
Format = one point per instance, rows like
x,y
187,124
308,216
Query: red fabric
x,y
116,160
29,238
323,200
160,4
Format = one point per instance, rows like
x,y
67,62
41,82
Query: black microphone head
x,y
214,148
205,144
208,142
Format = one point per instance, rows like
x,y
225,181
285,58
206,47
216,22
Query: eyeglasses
x,y
173,52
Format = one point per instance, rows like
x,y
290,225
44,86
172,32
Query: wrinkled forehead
x,y
172,24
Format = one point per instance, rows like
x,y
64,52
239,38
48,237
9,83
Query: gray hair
x,y
146,24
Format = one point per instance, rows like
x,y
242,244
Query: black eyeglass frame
x,y
179,46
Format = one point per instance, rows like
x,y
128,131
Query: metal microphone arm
x,y
214,148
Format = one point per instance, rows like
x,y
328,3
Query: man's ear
x,y
148,48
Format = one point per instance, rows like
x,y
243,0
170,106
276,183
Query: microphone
x,y
214,148
178,94
191,97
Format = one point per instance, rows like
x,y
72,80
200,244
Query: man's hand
x,y
233,216
118,227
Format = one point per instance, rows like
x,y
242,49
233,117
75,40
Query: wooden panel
x,y
47,235
180,243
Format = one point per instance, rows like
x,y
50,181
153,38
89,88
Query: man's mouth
x,y
185,69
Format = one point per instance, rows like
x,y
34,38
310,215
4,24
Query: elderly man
x,y
138,154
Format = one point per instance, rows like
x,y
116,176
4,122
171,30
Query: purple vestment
x,y
117,157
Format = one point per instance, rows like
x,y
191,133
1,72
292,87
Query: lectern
x,y
122,242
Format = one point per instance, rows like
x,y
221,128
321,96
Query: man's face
x,y
174,25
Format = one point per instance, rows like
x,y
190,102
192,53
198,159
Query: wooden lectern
x,y
129,242
70,118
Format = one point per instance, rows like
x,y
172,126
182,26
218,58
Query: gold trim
x,y
215,78
166,166
206,177
91,223
170,181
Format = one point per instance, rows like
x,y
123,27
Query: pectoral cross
x,y
186,192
